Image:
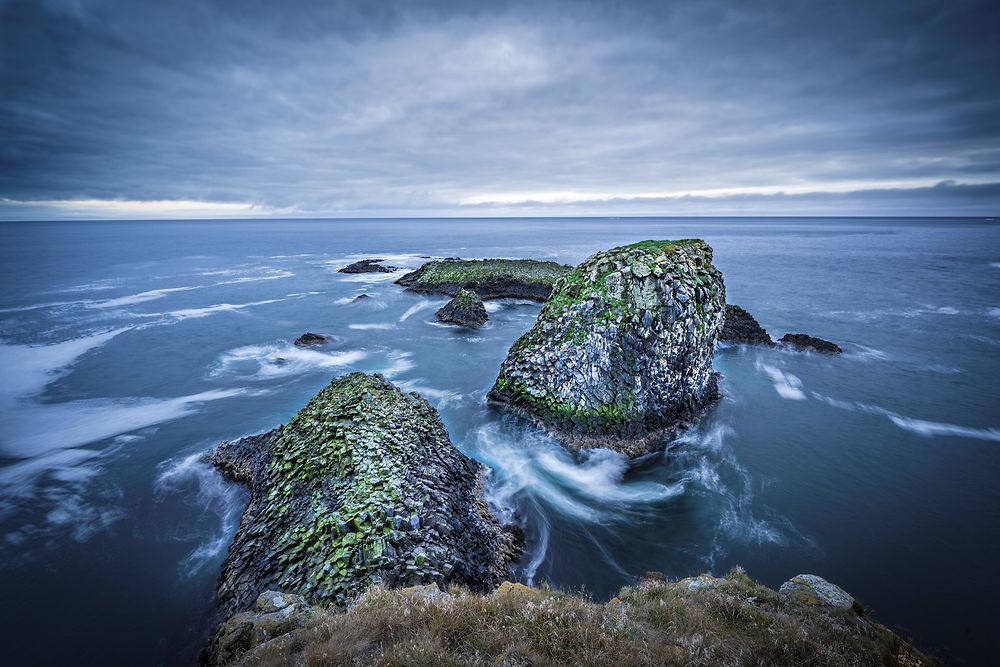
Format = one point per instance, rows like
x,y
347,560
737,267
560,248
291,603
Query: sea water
x,y
129,349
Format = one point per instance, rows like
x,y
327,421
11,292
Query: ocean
x,y
129,349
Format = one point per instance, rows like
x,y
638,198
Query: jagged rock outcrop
x,y
368,266
806,342
466,309
363,485
622,351
310,340
489,278
740,326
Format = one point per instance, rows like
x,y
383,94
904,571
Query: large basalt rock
x,y
489,278
621,352
363,485
740,326
466,309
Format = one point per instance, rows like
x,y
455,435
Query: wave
x,y
193,313
439,397
280,360
197,484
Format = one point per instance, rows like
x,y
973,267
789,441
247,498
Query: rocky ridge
x,y
740,326
373,265
362,486
622,350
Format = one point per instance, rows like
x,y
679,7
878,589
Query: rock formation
x,y
741,327
805,342
310,340
489,278
363,485
466,309
622,351
367,266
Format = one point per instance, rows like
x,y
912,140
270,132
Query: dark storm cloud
x,y
331,107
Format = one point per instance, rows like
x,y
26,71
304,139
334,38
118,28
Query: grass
x,y
735,621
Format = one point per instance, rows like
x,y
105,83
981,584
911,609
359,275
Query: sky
x,y
202,108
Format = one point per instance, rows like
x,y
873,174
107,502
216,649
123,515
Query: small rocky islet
x,y
362,496
466,309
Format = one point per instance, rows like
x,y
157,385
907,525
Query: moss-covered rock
x,y
362,486
489,278
622,350
466,309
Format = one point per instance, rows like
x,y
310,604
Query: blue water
x,y
130,348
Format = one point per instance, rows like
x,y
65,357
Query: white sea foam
x,y
141,297
921,427
993,312
371,326
399,362
279,360
439,397
29,368
414,309
34,429
787,385
193,313
196,483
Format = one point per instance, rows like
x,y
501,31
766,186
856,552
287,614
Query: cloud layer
x,y
194,107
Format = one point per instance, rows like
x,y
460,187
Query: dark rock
x,y
327,491
368,266
310,340
361,297
466,309
621,353
489,278
741,327
805,342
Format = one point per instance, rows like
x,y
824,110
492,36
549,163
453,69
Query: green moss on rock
x,y
361,486
489,278
622,349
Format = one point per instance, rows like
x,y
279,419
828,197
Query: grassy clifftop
x,y
699,621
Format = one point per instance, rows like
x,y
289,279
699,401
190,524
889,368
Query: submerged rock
x,y
310,340
622,351
361,297
368,266
805,342
741,327
466,309
362,486
489,278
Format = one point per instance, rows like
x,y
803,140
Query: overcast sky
x,y
198,108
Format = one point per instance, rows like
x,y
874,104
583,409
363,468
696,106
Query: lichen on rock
x,y
466,309
489,278
362,486
621,352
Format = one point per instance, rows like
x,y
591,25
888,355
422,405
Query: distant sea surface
x,y
129,349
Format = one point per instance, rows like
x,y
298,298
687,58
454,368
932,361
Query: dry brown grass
x,y
735,622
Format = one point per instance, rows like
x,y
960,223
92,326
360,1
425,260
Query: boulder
x,y
805,342
814,591
489,278
466,309
368,266
741,327
310,340
274,614
621,353
361,297
363,485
